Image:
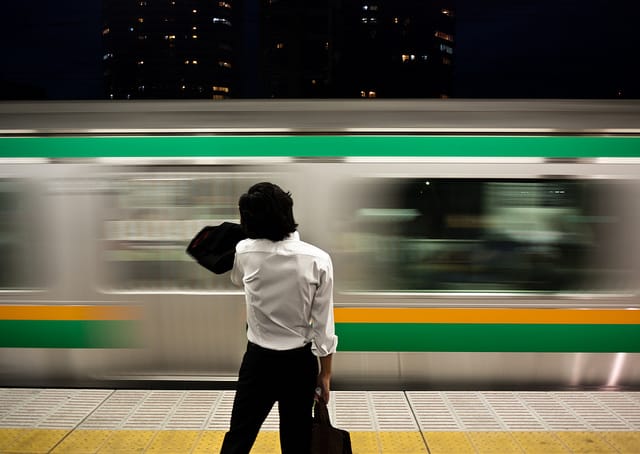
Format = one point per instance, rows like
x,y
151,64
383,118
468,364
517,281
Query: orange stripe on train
x,y
487,315
69,312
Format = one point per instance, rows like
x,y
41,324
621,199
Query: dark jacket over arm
x,y
214,246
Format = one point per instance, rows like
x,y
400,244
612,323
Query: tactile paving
x,y
50,408
116,421
494,443
540,443
585,442
83,441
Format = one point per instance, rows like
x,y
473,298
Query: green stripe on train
x,y
322,146
408,337
419,337
69,333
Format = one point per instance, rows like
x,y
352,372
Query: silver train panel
x,y
113,232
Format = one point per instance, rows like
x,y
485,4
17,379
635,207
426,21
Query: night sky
x,y
504,48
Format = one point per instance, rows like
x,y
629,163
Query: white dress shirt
x,y
288,288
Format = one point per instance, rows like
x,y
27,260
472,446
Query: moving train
x,y
476,244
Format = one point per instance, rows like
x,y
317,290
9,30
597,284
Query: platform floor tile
x,y
586,442
540,443
209,442
41,441
31,440
69,421
83,441
624,442
494,443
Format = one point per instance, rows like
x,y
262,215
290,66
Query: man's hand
x,y
324,387
324,378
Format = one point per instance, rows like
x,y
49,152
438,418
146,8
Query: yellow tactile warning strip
x,y
412,422
487,315
21,441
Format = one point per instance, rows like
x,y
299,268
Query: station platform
x,y
39,420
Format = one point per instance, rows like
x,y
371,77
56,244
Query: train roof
x,y
320,117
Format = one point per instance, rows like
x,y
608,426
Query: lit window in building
x,y
396,20
408,57
224,5
220,88
224,64
194,36
141,20
424,57
106,31
280,46
445,36
142,3
218,97
372,94
130,29
194,62
447,49
220,20
141,88
107,56
194,28
140,62
195,11
186,62
184,87
446,61
447,12
368,94
143,37
170,37
326,45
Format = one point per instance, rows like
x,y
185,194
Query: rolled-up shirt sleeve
x,y
236,271
325,340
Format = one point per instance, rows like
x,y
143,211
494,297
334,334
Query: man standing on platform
x,y
288,287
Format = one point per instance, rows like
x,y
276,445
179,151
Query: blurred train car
x,y
476,244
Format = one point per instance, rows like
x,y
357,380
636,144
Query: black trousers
x,y
266,376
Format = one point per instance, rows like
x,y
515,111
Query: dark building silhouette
x,y
168,48
278,48
363,48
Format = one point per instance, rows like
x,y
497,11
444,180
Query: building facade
x,y
167,49
219,49
358,48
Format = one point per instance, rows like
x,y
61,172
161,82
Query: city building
x,y
363,48
155,49
223,49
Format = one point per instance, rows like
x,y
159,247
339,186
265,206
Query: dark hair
x,y
266,211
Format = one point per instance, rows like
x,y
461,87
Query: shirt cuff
x,y
325,348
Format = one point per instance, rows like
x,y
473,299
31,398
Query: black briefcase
x,y
214,247
326,439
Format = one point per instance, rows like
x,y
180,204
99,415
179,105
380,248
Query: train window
x,y
152,218
21,245
482,235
